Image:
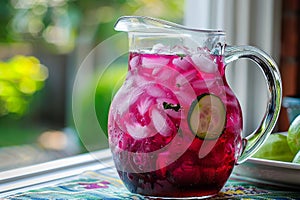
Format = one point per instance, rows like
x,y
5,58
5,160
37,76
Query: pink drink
x,y
156,147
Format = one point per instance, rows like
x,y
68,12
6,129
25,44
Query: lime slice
x,y
293,137
297,158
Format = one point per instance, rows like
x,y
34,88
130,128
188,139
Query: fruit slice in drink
x,y
207,117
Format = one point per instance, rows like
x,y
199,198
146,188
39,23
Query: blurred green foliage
x,y
20,78
58,24
60,27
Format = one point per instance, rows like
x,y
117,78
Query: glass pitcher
x,y
175,126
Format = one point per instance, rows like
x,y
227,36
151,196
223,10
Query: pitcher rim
x,y
166,24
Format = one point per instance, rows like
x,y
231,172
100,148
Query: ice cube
x,y
203,84
204,63
153,62
133,63
138,131
162,123
144,105
182,63
125,100
180,50
186,77
160,48
155,91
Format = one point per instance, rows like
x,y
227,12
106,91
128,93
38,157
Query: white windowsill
x,y
53,172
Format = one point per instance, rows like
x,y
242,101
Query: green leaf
x,y
171,106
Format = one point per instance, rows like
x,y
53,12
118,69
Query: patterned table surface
x,y
105,184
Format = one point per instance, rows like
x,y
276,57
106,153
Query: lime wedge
x,y
293,137
297,158
275,148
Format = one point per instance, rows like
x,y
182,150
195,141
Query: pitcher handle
x,y
272,76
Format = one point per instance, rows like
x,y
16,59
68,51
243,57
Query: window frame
x,y
247,22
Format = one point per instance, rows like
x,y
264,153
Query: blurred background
x,y
43,42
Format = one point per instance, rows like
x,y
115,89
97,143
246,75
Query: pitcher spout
x,y
144,24
149,24
146,34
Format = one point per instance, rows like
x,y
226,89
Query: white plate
x,y
274,172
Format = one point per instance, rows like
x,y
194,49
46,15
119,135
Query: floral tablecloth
x,y
106,185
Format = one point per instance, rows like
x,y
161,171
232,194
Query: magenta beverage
x,y
175,125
